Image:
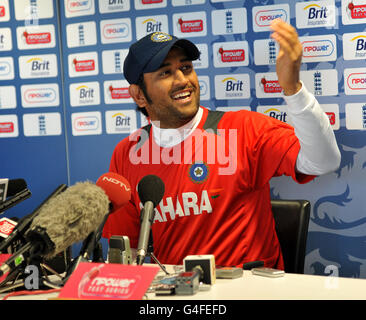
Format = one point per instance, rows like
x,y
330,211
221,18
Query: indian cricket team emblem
x,y
198,172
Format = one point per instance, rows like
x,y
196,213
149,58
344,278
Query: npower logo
x,y
78,5
41,95
86,123
119,93
84,65
116,30
151,1
6,127
2,11
356,81
317,48
270,86
188,26
5,68
37,38
233,55
264,18
357,11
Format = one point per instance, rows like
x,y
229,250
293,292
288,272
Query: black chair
x,y
292,222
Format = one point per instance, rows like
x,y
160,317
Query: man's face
x,y
173,90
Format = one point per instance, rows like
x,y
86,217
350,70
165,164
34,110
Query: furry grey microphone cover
x,y
72,215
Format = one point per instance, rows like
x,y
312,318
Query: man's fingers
x,y
286,31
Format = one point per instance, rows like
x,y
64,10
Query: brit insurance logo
x,y
229,21
264,15
354,46
76,8
6,68
121,121
83,64
229,87
355,81
148,24
116,30
38,66
198,172
353,11
36,37
40,95
190,24
319,48
84,94
86,123
111,6
315,14
9,126
276,112
6,43
231,54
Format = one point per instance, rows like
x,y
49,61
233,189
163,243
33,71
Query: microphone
x,y
9,188
63,220
151,190
118,190
19,197
25,222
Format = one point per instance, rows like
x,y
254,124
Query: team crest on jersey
x,y
198,172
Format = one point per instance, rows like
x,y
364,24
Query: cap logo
x,y
160,37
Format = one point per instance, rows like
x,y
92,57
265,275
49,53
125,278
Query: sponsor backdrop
x,y
64,102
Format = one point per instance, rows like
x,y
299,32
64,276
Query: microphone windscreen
x,y
72,215
116,187
151,188
15,186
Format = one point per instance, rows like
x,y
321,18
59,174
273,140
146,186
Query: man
x,y
216,166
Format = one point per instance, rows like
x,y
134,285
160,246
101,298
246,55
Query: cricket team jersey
x,y
217,193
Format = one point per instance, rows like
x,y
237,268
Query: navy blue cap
x,y
148,54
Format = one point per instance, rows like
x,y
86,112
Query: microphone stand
x,y
150,252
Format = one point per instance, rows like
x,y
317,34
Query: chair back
x,y
292,222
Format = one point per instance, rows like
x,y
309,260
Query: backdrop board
x,y
83,101
32,126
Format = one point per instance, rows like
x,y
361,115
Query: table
x,y
254,287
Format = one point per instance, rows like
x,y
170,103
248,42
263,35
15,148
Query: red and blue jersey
x,y
217,193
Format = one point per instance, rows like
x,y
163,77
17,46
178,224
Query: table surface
x,y
255,287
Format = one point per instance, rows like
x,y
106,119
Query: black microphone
x,y
151,190
64,220
9,188
18,197
25,222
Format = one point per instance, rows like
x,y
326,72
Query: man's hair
x,y
142,85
